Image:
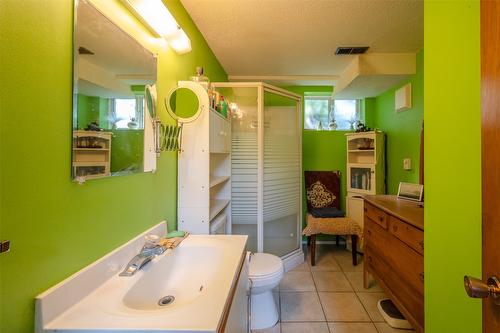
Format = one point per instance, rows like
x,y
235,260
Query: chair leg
x,y
313,250
337,240
354,240
308,241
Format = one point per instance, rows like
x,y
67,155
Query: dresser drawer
x,y
408,264
376,215
410,235
413,302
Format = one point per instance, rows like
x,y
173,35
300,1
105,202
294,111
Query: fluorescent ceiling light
x,y
156,17
180,43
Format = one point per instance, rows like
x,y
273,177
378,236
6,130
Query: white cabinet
x,y
239,313
220,133
366,162
204,171
365,170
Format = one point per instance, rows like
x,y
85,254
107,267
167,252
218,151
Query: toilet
x,y
265,273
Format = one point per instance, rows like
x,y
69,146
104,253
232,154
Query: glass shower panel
x,y
244,157
281,187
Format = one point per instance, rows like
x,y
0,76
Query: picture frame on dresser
x,y
411,191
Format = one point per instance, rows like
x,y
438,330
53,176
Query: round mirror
x,y
150,101
183,104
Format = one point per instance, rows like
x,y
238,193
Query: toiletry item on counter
x,y
223,107
173,239
175,233
200,78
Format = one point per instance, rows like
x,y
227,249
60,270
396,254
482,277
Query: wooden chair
x,y
324,215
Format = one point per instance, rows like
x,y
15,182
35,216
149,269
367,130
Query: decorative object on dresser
x,y
365,170
394,252
324,215
410,191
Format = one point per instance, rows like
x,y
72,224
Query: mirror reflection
x,y
111,72
183,104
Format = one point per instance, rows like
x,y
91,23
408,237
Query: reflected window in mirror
x,y
128,113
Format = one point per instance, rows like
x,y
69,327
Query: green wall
x,y
452,164
127,150
322,150
55,225
402,129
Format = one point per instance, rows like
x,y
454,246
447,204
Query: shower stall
x,y
266,176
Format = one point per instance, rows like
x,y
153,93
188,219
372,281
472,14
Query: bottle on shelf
x,y
223,106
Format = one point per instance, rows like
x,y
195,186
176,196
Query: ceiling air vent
x,y
351,50
83,50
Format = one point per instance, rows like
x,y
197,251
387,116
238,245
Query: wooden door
x,y
490,101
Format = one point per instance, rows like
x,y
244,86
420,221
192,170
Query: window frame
x,y
330,101
139,100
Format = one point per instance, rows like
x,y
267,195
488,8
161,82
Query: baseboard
x,y
292,260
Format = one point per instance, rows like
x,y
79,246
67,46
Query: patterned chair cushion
x,y
331,226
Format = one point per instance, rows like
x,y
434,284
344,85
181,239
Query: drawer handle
x,y
381,218
422,276
421,243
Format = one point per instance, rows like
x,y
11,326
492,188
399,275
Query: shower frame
x,y
296,256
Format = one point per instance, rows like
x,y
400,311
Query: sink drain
x,y
166,300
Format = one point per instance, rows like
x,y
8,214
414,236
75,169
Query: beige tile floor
x,y
329,297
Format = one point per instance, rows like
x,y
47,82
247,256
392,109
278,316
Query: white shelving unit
x,y
91,154
365,169
214,181
204,170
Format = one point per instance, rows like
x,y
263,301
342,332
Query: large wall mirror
x,y
111,70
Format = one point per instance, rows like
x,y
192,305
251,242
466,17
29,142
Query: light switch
x,y
407,164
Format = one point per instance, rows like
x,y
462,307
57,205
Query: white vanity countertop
x,y
200,273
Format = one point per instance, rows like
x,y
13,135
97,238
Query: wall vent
x,y
347,50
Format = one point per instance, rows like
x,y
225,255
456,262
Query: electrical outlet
x,y
4,246
407,164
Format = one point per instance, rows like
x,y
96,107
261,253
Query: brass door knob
x,y
476,288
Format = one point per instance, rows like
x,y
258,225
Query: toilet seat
x,y
265,269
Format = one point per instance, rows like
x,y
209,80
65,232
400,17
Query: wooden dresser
x,y
394,252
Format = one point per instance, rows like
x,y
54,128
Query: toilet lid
x,y
264,264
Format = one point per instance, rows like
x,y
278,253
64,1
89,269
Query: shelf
x,y
216,206
90,164
361,150
91,149
216,180
95,176
220,152
361,165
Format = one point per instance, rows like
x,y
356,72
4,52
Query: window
x,y
128,112
320,115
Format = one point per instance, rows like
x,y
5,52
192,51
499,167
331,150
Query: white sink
x,y
194,282
183,275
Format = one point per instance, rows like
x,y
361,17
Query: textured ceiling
x,y
299,37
